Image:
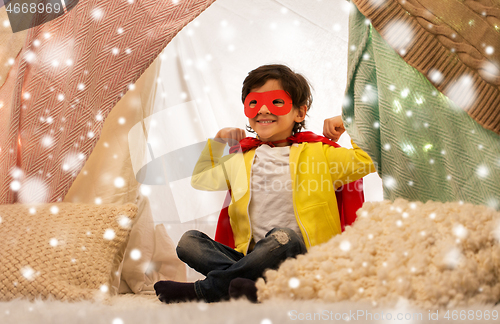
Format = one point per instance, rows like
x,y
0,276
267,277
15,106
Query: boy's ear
x,y
301,115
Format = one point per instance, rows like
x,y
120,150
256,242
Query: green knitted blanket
x,y
425,146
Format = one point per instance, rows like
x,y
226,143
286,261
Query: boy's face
x,y
278,127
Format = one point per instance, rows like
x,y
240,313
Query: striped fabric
x,y
454,43
425,146
69,75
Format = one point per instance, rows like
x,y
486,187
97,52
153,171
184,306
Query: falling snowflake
x,y
482,171
389,182
347,7
28,273
460,231
294,283
97,13
453,258
109,234
104,288
53,242
30,57
47,141
496,232
462,92
377,3
145,190
397,106
399,35
489,71
345,246
72,162
135,254
408,148
119,182
17,173
493,203
370,94
435,76
124,221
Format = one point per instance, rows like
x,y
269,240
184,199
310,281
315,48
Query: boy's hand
x,y
333,128
230,135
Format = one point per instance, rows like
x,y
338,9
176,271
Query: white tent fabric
x,y
203,68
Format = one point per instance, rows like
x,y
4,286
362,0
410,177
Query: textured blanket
x,y
455,43
425,146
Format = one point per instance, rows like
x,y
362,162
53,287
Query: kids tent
x,y
61,80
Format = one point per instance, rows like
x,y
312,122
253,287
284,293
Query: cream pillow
x,y
68,251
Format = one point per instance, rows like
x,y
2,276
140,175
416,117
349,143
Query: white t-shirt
x,y
271,200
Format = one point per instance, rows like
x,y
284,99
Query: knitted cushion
x,y
68,251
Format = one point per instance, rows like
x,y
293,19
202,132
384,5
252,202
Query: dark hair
x,y
293,83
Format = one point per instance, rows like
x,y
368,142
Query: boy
x,y
269,224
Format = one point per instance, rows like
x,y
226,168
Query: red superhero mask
x,y
277,101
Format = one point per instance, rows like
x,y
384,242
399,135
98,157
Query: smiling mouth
x,y
266,122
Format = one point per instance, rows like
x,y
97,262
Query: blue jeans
x,y
221,264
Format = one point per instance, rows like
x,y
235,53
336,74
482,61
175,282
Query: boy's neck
x,y
279,143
